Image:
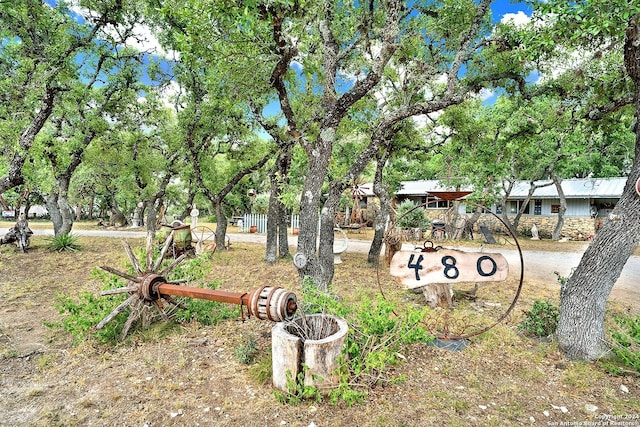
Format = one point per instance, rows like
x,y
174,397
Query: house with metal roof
x,y
435,193
585,197
588,200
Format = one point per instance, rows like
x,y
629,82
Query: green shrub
x,y
85,311
247,351
541,320
63,242
625,343
410,216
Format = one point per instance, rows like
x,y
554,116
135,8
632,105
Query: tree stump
x,y
438,295
314,341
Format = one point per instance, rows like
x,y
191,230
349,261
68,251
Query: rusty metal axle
x,y
147,287
266,302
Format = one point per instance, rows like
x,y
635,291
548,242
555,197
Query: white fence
x,y
260,221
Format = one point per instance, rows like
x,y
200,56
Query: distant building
x,y
585,197
434,193
589,201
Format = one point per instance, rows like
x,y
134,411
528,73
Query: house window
x,y
555,208
435,203
514,207
537,208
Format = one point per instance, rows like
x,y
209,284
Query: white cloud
x,y
517,19
485,94
170,93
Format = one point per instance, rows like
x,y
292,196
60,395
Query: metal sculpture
x,y
148,288
436,268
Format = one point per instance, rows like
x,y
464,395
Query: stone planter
x,y
315,341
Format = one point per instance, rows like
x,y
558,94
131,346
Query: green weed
x,y
625,345
541,320
247,351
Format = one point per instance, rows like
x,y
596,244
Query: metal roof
x,y
422,187
576,188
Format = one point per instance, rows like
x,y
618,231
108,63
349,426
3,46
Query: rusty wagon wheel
x,y
148,289
140,286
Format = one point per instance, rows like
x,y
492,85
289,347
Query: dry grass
x,y
192,377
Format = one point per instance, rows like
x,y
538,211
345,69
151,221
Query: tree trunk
x,y
277,239
59,208
308,262
583,298
54,211
66,214
556,235
380,226
27,206
221,224
150,208
273,222
382,216
90,208
283,238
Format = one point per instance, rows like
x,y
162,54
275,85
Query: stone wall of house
x,y
575,228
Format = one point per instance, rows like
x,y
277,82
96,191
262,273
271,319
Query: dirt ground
x,y
192,377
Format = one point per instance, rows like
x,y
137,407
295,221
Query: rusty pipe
x,y
267,302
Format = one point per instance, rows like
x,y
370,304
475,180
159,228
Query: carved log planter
x,y
315,341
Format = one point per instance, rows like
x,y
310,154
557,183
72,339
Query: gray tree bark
x,y
382,216
557,230
583,299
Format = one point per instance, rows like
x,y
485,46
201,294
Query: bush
x,y
408,218
541,320
625,343
63,242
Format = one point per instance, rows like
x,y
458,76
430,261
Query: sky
x,y
507,9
